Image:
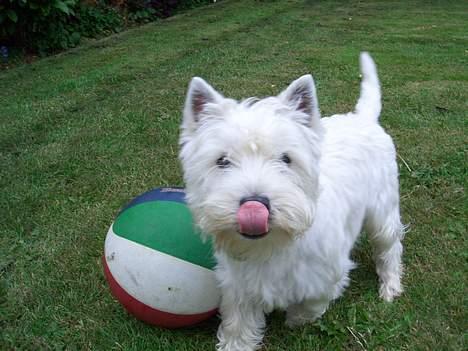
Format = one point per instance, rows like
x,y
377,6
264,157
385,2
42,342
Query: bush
x,y
45,26
49,25
96,20
38,24
144,10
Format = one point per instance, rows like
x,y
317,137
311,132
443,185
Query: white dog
x,y
302,186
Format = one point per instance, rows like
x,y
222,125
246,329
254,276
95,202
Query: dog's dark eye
x,y
285,158
223,162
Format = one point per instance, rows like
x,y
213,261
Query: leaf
x,y
62,7
75,38
12,15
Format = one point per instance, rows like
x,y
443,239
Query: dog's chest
x,y
286,278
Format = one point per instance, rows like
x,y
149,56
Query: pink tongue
x,y
252,217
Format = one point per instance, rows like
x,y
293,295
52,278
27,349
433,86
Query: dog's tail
x,y
369,104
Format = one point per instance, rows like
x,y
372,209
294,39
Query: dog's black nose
x,y
262,199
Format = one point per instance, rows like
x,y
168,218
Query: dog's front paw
x,y
306,312
229,341
294,322
297,320
236,345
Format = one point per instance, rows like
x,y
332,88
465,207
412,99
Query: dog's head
x,y
251,167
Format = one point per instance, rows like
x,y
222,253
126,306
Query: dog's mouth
x,y
254,237
252,218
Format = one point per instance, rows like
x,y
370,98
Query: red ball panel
x,y
148,314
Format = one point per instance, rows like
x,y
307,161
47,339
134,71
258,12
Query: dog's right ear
x,y
199,96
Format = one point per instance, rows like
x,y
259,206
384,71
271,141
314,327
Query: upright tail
x,y
369,104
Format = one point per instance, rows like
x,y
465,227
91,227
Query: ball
x,y
156,264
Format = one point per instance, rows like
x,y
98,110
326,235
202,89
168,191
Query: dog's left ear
x,y
301,96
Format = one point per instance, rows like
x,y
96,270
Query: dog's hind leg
x,y
386,233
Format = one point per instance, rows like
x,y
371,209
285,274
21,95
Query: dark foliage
x,y
45,26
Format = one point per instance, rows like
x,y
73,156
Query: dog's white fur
x,y
342,176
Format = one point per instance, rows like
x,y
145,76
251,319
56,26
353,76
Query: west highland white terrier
x,y
284,194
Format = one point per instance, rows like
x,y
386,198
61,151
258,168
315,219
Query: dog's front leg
x,y
242,325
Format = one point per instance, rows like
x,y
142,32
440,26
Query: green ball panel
x,y
165,226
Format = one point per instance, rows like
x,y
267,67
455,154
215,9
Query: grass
x,y
83,132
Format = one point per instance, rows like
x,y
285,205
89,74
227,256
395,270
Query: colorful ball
x,y
157,266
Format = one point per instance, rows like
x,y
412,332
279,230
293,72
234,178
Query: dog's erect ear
x,y
301,96
199,95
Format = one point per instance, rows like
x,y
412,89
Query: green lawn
x,y
83,132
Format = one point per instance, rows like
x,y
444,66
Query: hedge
x,y
45,26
